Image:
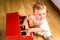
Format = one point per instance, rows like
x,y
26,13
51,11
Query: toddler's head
x,y
39,11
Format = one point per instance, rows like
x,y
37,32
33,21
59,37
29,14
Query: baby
x,y
40,25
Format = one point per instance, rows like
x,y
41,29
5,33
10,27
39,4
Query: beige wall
x,y
57,3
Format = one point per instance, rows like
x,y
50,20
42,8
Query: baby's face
x,y
40,14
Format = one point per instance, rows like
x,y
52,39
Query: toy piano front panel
x,y
12,26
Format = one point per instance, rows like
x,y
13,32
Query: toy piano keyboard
x,y
23,29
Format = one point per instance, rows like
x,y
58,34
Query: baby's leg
x,y
48,36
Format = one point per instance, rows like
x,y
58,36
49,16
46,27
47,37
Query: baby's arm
x,y
24,22
33,23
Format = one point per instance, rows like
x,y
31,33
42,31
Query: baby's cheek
x,y
38,17
44,17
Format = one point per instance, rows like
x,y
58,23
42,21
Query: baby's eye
x,y
39,14
43,13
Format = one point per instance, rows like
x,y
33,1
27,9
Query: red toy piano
x,y
13,29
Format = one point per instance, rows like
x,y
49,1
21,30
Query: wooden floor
x,y
24,7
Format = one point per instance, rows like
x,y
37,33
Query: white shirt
x,y
42,24
43,28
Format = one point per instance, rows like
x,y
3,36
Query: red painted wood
x,y
13,31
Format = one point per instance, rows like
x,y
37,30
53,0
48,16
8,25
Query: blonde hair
x,y
38,6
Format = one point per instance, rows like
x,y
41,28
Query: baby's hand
x,y
21,25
